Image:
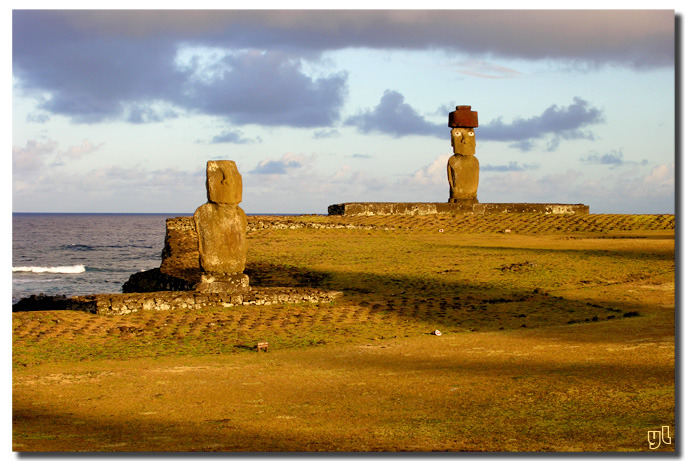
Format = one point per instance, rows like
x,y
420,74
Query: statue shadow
x,y
448,304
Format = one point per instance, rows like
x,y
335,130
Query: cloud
x,y
512,166
634,38
233,137
32,157
86,76
282,166
357,184
630,192
37,155
138,113
266,88
522,186
394,117
37,117
482,69
97,65
324,134
613,159
311,190
308,188
92,77
433,174
661,177
557,123
127,189
86,147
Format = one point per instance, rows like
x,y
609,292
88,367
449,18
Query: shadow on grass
x,y
501,404
456,305
637,254
373,306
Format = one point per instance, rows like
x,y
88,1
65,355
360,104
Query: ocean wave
x,y
77,269
77,247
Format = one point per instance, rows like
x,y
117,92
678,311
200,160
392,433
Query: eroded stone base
x,y
223,283
427,208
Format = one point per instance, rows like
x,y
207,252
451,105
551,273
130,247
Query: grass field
x,y
556,336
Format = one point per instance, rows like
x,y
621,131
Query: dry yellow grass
x,y
552,341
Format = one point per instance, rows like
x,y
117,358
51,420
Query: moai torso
x,y
462,174
463,168
221,232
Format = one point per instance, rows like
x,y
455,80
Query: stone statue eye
x,y
457,133
471,133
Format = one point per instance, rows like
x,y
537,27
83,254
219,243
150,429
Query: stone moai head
x,y
224,183
463,141
462,121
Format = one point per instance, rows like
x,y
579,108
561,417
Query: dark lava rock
x,y
155,280
41,302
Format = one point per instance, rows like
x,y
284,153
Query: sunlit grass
x,y
556,341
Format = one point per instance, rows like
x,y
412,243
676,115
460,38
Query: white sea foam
x,y
77,269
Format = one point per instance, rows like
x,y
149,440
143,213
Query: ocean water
x,y
77,254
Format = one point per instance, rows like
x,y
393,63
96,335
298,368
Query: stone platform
x,y
127,303
428,208
180,284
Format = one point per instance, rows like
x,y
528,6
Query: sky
x,y
119,110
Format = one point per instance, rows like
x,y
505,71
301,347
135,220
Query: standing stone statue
x,y
221,227
463,167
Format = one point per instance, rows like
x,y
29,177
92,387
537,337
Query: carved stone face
x,y
224,183
463,141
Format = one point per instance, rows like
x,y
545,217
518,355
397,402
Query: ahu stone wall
x,y
172,285
127,303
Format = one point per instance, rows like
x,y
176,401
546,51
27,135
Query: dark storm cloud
x,y
93,75
267,89
555,123
394,117
91,80
635,38
106,64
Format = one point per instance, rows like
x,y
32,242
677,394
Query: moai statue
x,y
221,227
463,167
